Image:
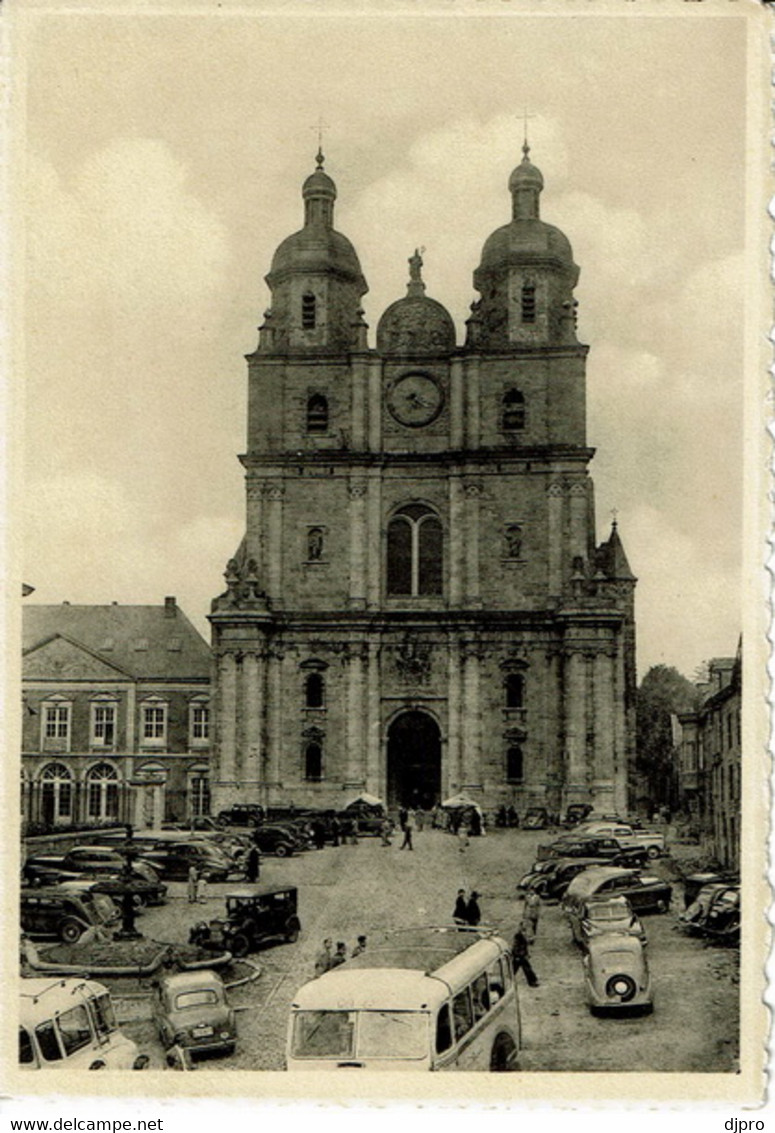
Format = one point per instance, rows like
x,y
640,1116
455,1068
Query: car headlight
x,y
225,1034
141,1062
621,987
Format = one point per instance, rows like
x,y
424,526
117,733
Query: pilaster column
x,y
471,401
358,544
355,745
579,540
373,539
274,719
453,776
471,762
555,549
252,709
254,518
131,718
360,377
620,753
375,404
456,539
575,724
227,709
375,772
603,677
456,404
274,564
473,494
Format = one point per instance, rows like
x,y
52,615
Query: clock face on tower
x,y
415,399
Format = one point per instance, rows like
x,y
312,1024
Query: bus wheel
x,y
504,1054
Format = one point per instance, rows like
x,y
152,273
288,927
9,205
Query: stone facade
x,y
419,606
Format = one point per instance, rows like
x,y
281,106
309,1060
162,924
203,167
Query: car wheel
x,y
239,945
282,851
292,931
70,930
662,905
504,1055
653,851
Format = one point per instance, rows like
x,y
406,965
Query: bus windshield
x,y
360,1034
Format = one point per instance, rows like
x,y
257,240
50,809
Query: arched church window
x,y
515,690
528,303
512,411
515,771
314,689
317,414
102,792
308,311
415,552
313,762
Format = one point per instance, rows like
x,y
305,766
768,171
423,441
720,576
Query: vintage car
x,y
536,818
606,914
83,861
627,835
616,974
538,875
557,881
592,846
645,894
277,839
48,911
576,813
254,916
715,912
697,881
173,860
241,814
191,1012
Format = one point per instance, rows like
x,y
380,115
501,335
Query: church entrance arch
x,y
414,760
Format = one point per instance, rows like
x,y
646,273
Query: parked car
x,y
83,860
253,917
645,894
241,814
606,914
616,974
593,846
715,913
191,1012
173,860
50,912
576,813
536,818
626,834
554,885
697,881
272,838
89,891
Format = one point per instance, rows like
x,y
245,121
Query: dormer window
x,y
512,411
308,311
528,303
317,414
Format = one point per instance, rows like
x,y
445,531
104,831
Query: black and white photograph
x,y
386,537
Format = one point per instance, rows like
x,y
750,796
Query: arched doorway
x,y
414,760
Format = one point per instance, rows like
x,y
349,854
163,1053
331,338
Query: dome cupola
x,y
415,324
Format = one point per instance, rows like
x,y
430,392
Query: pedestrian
x,y
462,837
324,958
359,947
513,817
473,912
419,818
520,957
354,829
402,817
336,828
253,865
531,911
193,885
408,828
318,834
202,888
386,830
475,823
459,913
340,955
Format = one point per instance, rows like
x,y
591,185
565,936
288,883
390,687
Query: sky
x,y
163,163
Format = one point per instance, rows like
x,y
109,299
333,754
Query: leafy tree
x,y
662,694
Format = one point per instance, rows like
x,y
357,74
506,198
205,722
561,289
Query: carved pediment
x,y
60,657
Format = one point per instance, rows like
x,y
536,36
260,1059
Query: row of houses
x,y
115,716
708,761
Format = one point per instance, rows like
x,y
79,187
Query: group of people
x,y
467,911
329,958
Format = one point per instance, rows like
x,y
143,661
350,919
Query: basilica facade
x,y
419,606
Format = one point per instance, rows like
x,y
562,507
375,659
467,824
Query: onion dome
x,y
415,324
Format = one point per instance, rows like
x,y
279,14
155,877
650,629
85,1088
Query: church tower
x,y
419,607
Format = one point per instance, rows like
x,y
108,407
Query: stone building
x,y
115,715
419,606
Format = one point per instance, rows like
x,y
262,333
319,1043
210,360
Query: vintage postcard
x,y
387,480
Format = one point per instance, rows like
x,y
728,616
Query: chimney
x,y
170,609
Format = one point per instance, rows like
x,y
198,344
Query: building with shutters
x,y
419,606
115,715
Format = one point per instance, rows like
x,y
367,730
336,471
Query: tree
x,y
662,694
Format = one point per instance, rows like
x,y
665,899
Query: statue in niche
x,y
315,544
413,661
514,542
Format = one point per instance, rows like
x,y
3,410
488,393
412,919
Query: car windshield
x,y
199,997
612,912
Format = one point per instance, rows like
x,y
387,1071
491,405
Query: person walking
x,y
402,817
324,957
253,864
359,947
419,818
340,955
531,911
520,957
460,912
473,912
202,898
386,830
318,834
336,829
408,829
193,885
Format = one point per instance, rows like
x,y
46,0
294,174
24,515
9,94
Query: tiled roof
x,y
149,642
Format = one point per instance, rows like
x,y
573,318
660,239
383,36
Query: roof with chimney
x,y
143,642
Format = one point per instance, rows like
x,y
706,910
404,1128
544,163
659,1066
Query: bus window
x,y
323,1034
495,981
48,1042
26,1053
392,1034
443,1030
508,978
480,997
104,1015
461,1013
75,1029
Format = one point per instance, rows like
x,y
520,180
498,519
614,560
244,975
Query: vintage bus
x,y
440,998
69,1024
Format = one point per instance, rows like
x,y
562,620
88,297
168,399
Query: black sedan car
x,y
593,846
